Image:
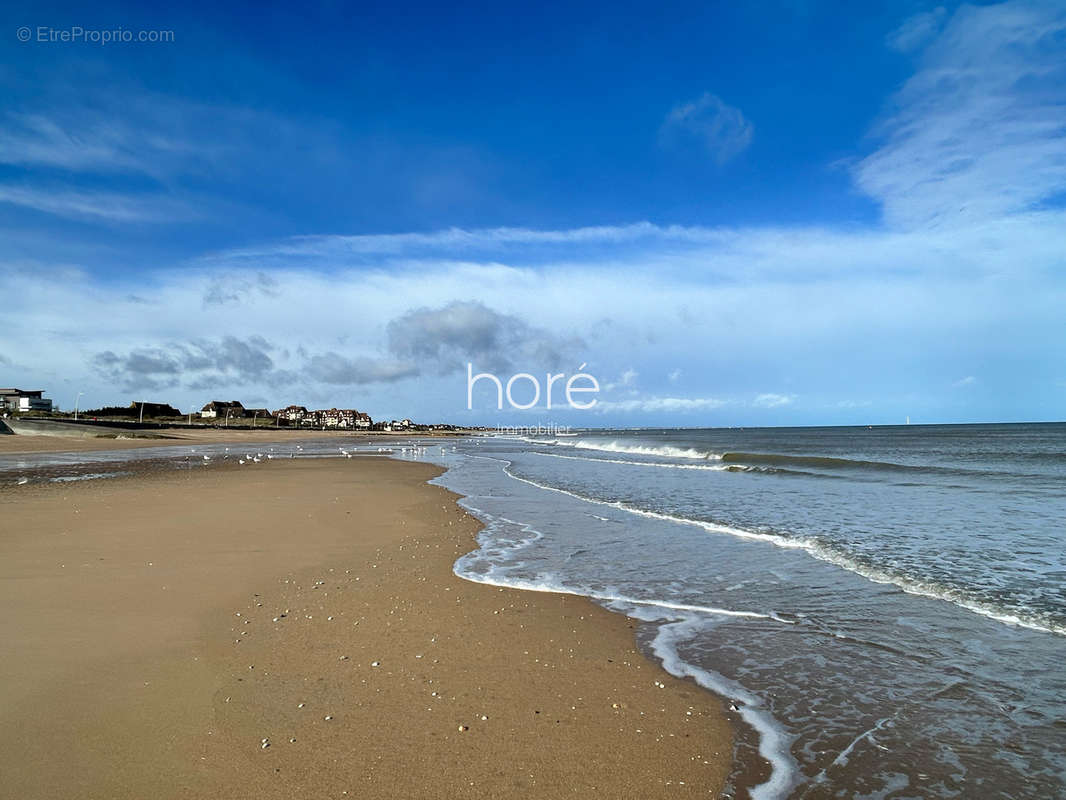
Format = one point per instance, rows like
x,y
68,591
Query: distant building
x,y
334,419
347,418
221,409
292,414
24,400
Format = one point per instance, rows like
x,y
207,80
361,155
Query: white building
x,y
220,409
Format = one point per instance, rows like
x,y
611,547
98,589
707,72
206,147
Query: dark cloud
x,y
148,368
207,383
424,341
444,339
151,362
205,363
247,359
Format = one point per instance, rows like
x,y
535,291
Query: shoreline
x,y
16,444
571,705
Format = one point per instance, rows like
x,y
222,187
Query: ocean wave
x,y
711,467
616,446
831,463
666,465
773,741
492,550
770,462
829,554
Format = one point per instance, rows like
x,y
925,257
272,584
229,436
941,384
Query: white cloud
x,y
661,404
458,242
628,378
916,30
774,319
101,206
734,255
771,400
978,131
92,144
768,299
720,128
969,380
981,120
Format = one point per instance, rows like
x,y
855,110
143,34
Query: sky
x,y
767,213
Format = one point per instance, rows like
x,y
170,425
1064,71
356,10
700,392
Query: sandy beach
x,y
295,630
180,436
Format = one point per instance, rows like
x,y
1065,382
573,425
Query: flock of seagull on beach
x,y
412,450
409,451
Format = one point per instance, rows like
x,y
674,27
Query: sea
x,y
882,610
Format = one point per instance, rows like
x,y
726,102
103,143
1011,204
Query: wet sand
x,y
177,436
159,631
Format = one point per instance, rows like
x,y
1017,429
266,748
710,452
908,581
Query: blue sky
x,y
766,213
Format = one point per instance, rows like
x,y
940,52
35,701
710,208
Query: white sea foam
x,y
614,446
774,741
529,535
824,553
713,468
780,541
489,541
552,585
935,591
676,618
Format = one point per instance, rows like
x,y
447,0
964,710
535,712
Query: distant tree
x,y
110,411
